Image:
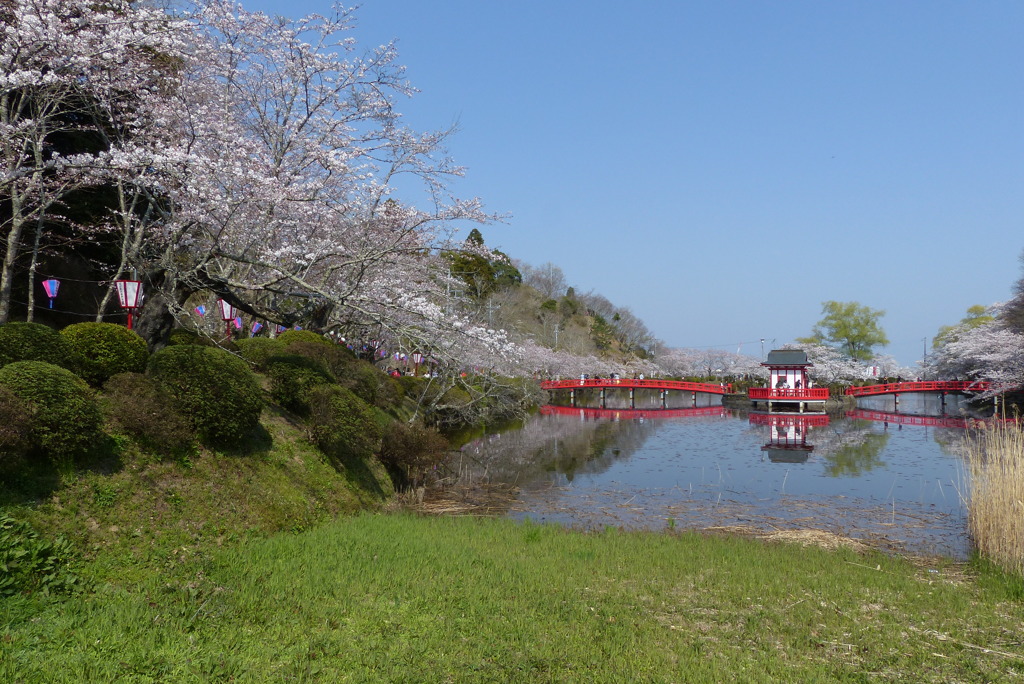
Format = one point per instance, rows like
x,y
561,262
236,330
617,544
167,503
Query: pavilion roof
x,y
787,357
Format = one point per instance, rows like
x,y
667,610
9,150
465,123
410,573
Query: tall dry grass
x,y
996,514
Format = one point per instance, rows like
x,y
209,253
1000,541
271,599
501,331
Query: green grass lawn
x,y
397,598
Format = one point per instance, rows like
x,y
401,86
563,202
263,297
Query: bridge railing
x,y
635,383
788,393
921,386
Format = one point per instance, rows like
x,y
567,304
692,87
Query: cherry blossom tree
x,y
992,352
711,363
69,69
830,365
266,177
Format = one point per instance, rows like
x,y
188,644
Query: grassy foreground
x,y
396,598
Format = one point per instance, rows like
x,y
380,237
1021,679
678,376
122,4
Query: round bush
x,y
137,405
366,381
97,351
214,390
258,350
66,417
20,341
15,426
342,424
290,336
292,377
182,336
187,336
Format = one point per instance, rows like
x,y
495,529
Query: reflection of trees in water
x,y
850,447
953,442
547,444
851,460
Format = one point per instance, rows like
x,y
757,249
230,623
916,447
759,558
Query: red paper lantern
x,y
129,293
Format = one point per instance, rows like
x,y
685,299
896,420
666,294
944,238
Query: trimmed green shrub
x,y
412,387
66,416
15,426
365,380
214,390
334,357
32,563
188,336
136,404
292,377
413,452
368,382
96,351
182,336
20,341
290,336
342,424
258,350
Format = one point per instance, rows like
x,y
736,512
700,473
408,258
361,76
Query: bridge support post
x,y
603,402
572,398
632,401
693,399
664,396
896,408
942,399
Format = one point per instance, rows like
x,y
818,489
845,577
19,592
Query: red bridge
x,y
923,386
630,383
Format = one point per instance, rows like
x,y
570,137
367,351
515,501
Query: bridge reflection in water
x,y
584,413
956,422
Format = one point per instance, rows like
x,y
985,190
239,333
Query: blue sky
x,y
722,168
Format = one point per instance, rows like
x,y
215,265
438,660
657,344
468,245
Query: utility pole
x,y
924,361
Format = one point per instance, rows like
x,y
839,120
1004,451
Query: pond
x,y
893,480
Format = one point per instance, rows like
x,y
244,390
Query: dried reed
x,y
996,514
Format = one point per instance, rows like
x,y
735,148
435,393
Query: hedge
x,y
21,341
97,351
66,417
215,390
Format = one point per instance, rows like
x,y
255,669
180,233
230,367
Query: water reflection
x,y
787,434
698,468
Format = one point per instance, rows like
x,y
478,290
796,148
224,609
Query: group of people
x,y
611,376
783,383
397,373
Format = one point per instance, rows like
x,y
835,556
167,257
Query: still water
x,y
894,480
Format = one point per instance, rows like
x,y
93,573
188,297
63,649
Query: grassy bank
x,y
397,598
996,459
139,512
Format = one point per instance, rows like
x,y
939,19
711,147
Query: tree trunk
x,y
163,296
13,244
